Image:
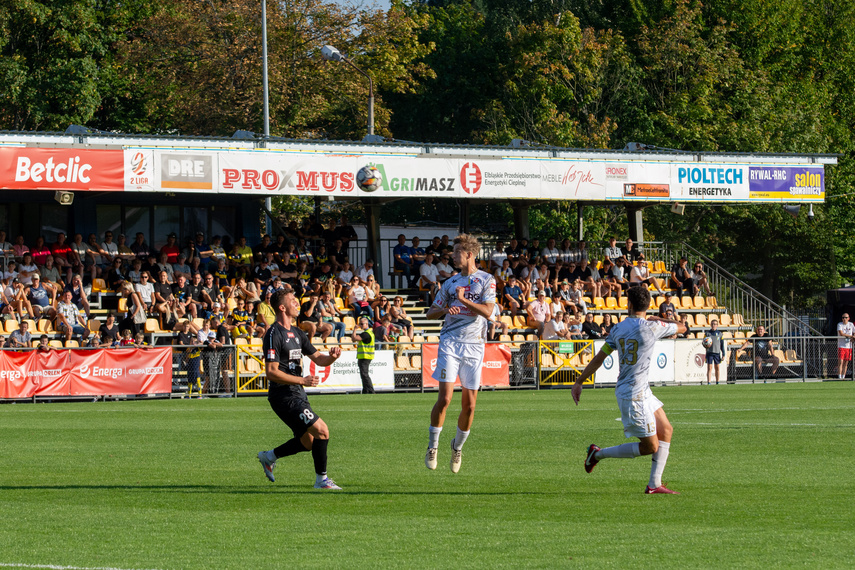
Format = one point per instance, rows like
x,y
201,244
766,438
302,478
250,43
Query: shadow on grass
x,y
262,490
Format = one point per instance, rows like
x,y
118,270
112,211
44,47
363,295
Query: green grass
x,y
765,472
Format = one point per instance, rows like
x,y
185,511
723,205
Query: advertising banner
x,y
494,372
24,168
85,372
125,371
690,363
343,375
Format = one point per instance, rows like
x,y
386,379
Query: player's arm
x,y
589,370
483,309
439,308
681,327
325,360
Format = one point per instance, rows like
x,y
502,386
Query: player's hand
x,y
460,292
335,351
311,380
576,391
453,310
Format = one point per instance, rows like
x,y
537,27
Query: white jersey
x,y
466,326
843,341
635,340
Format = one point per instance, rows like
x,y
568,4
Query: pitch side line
x,y
56,567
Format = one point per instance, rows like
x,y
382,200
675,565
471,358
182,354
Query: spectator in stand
x,y
69,320
322,277
445,245
139,247
40,251
667,305
42,298
534,248
435,247
699,279
217,251
501,274
136,315
260,250
171,249
79,294
538,312
591,329
244,253
381,308
403,260
640,275
50,274
372,289
366,270
27,269
513,250
304,252
279,248
417,253
763,352
337,254
343,277
165,265
498,256
608,323
63,256
579,297
245,290
630,252
329,234
582,251
845,334
145,289
123,250
400,316
621,275
20,248
21,337
512,295
429,277
357,299
7,250
495,324
329,313
265,315
240,320
554,328
613,252
386,332
345,233
574,327
444,268
261,273
97,256
180,267
565,298
110,332
81,251
109,250
165,302
310,319
681,279
211,293
550,253
566,252
10,273
585,274
183,293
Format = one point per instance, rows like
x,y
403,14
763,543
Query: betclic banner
x,y
264,172
68,372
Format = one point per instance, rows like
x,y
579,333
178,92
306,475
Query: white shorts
x,y
459,359
638,416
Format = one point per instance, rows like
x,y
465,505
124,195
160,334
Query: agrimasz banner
x,y
67,372
343,375
495,370
270,172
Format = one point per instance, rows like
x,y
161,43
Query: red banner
x,y
106,372
61,169
494,371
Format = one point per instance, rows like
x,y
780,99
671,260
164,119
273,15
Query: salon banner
x,y
64,372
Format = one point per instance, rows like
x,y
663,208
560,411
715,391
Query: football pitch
x,y
765,471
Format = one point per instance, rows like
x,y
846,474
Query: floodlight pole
x,y
330,53
264,69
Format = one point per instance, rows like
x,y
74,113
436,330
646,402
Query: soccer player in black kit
x,y
284,346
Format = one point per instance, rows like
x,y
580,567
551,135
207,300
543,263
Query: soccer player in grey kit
x,y
466,302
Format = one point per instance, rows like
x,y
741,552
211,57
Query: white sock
x,y
658,465
271,456
622,451
433,441
319,477
460,439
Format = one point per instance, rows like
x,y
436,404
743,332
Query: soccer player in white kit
x,y
465,301
640,411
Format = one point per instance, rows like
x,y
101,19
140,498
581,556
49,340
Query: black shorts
x,y
296,413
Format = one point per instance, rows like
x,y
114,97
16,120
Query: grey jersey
x,y
635,340
466,326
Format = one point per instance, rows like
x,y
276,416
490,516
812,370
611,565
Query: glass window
x,y
108,218
137,219
54,220
167,219
223,222
195,220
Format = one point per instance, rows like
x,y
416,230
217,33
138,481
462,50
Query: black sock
x,y
319,454
290,447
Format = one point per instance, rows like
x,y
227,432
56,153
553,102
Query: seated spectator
x,y
699,278
64,257
497,256
322,256
495,326
502,274
550,253
139,247
763,351
621,275
681,279
612,252
566,298
512,296
241,319
164,300
42,298
81,251
21,337
386,332
164,265
538,312
211,293
366,270
444,268
513,251
310,319
400,316
329,313
381,308
566,252
44,344
403,260
322,277
304,252
183,293
417,252
631,252
338,255
10,273
170,249
16,294
180,267
372,290
246,291
110,331
343,277
667,305
607,324
217,251
429,277
123,250
435,248
555,329
265,315
640,275
574,327
27,269
20,248
69,320
684,318
608,284
358,300
591,329
79,294
260,251
585,274
40,251
116,275
50,273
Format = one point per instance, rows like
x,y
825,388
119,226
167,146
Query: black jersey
x,y
287,347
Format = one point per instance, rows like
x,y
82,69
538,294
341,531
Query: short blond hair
x,y
468,243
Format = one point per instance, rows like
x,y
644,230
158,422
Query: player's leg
x,y
709,372
317,438
664,431
717,371
296,417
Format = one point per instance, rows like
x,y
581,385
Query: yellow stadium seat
x,y
416,362
701,320
698,302
622,302
10,326
123,305
724,320
432,338
711,302
151,326
611,303
72,344
686,303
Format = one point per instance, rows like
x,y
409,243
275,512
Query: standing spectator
x,y
136,310
403,259
110,331
845,334
681,279
363,336
715,351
